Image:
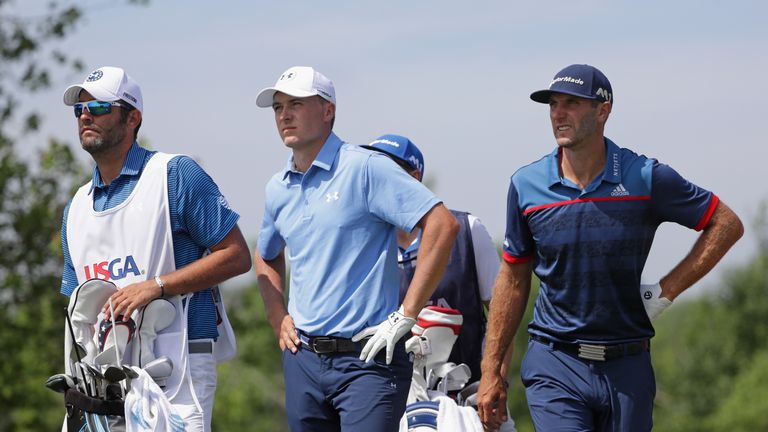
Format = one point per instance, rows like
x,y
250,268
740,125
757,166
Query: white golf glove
x,y
385,334
653,301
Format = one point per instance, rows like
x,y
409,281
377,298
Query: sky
x,y
688,77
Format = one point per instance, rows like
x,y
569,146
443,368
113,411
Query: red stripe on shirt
x,y
708,214
516,260
582,200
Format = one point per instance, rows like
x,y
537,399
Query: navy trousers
x,y
338,392
567,393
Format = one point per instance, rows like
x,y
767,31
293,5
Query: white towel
x,y
148,409
454,418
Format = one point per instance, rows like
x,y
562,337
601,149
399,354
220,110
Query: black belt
x,y
200,347
330,344
596,352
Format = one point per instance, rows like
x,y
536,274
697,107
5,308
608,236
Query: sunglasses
x,y
95,108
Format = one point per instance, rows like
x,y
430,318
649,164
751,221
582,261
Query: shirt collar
x,y
611,171
324,159
134,161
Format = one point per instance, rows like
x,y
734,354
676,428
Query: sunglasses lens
x,y
99,108
95,108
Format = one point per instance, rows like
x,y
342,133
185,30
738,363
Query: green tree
x,y
709,354
32,197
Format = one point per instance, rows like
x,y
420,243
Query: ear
x,y
134,118
603,111
329,112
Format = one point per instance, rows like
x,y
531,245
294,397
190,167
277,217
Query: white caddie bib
x,y
130,243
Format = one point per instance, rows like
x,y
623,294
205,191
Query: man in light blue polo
x,y
333,212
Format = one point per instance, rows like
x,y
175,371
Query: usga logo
x,y
112,270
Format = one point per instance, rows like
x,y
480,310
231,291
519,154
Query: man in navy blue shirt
x,y
332,214
156,226
583,219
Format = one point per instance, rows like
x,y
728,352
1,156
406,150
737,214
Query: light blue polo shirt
x,y
337,224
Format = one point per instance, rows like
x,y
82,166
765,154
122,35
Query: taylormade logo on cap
x,y
299,81
400,147
384,141
567,79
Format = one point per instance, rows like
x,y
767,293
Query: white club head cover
x,y
84,308
440,327
654,303
152,318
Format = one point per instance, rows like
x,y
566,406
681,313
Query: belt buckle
x,y
323,344
592,352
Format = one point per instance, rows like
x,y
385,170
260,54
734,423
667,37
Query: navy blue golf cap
x,y
401,148
580,80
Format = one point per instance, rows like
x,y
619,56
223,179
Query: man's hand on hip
x,y
289,336
385,334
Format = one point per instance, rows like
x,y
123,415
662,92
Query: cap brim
x,y
72,94
542,96
266,96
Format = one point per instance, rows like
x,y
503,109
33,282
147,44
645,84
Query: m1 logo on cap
x,y
95,75
287,76
603,93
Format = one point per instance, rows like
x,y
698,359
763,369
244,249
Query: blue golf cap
x,y
401,148
580,80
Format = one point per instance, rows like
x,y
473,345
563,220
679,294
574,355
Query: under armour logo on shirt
x,y
332,196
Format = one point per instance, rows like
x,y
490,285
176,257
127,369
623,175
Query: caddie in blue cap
x,y
583,219
467,284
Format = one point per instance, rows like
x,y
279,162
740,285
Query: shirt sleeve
x,y
68,277
270,243
518,241
394,196
486,257
201,209
674,199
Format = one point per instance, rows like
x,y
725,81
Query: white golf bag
x,y
102,357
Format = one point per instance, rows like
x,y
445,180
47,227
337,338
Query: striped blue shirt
x,y
198,222
589,247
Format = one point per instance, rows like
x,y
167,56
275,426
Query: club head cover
x,y
84,307
156,316
123,334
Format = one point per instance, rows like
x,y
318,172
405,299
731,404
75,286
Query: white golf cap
x,y
107,84
299,81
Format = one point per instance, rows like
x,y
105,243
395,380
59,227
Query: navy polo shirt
x,y
200,218
337,224
589,246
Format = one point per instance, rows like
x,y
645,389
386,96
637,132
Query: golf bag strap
x,y
92,405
